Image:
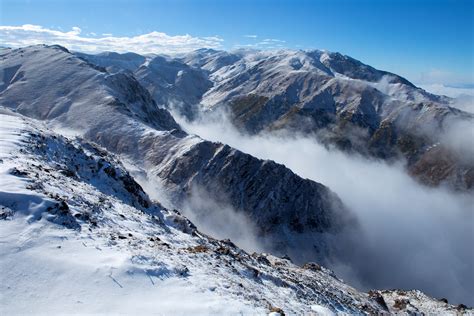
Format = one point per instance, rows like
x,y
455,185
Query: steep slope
x,y
49,83
173,84
209,59
344,102
78,233
115,62
114,111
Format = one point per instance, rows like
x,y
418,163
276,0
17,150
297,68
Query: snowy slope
x,y
278,70
209,59
173,84
81,263
65,192
115,111
79,235
345,102
115,62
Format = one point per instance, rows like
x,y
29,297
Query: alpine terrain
x,y
340,100
107,205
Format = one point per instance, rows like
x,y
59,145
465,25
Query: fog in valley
x,y
410,237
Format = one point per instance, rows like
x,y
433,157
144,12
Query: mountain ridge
x,y
116,112
71,212
110,107
342,101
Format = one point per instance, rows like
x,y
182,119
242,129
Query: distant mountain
x,y
344,102
116,112
115,62
173,84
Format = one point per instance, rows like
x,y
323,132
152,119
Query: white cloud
x,y
273,40
441,89
463,96
251,36
265,44
154,42
271,43
411,236
76,30
440,76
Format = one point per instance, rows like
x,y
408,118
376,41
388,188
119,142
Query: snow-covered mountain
x,y
78,233
116,112
80,132
115,62
344,102
174,84
338,97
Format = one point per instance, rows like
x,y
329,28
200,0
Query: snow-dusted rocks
x,y
174,84
115,111
347,104
115,62
344,102
78,234
72,211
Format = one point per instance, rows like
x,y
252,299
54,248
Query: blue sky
x,y
427,41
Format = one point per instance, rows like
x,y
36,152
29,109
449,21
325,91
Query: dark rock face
x,y
438,164
270,193
291,215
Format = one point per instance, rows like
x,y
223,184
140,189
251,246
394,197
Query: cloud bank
x,y
154,42
264,44
463,95
413,237
449,91
444,77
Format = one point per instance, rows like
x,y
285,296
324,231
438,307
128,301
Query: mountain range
x,y
83,135
340,100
